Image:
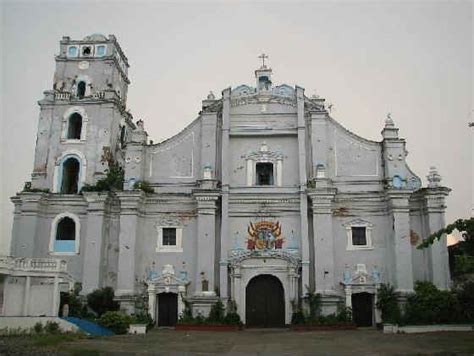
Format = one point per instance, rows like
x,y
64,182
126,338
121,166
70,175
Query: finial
x,y
140,125
433,178
263,56
211,96
388,120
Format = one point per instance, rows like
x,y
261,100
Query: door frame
x,y
279,264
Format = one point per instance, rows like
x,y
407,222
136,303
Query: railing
x,y
33,264
62,95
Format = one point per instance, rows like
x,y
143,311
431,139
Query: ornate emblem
x,y
264,235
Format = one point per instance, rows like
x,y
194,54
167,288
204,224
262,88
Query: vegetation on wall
x,y
144,185
112,182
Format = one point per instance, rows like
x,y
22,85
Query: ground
x,y
255,342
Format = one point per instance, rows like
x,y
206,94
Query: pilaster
x,y
206,238
93,243
439,259
130,202
302,180
402,249
321,199
225,193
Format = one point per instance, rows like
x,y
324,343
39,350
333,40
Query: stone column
x,y
206,238
129,224
152,302
321,199
224,243
403,271
303,196
348,295
93,242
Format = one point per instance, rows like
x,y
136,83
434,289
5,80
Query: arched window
x,y
70,176
81,89
74,127
65,230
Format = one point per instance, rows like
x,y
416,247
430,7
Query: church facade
x,y
262,198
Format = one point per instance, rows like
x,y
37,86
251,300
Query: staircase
x,y
89,327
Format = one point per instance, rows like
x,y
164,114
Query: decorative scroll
x,y
264,235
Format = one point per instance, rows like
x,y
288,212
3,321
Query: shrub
x,y
429,305
144,318
298,318
51,327
102,300
314,303
38,328
465,298
388,304
344,314
116,321
217,313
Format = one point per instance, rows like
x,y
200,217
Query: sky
x,y
413,59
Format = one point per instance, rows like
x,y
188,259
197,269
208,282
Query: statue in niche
x,y
204,283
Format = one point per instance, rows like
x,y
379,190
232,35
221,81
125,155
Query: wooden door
x,y
265,302
362,309
167,309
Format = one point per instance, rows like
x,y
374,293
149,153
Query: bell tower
x,y
263,75
83,120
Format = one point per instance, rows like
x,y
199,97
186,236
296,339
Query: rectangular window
x,y
100,50
264,173
359,237
169,236
169,239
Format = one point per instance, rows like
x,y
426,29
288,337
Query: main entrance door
x,y
265,302
167,309
362,306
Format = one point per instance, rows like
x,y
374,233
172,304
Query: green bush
x,y
344,314
144,318
217,313
102,300
116,321
388,304
38,328
429,305
51,327
465,296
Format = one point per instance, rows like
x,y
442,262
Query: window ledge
x,y
161,249
52,253
353,248
75,141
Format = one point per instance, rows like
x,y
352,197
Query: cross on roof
x,y
263,56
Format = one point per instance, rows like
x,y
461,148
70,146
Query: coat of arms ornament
x,y
264,235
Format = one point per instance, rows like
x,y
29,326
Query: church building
x,y
260,200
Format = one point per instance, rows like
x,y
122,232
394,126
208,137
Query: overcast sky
x,y
413,59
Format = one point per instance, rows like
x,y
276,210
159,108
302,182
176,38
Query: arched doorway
x,y
265,302
167,309
362,309
70,177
